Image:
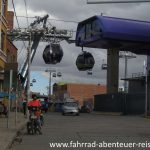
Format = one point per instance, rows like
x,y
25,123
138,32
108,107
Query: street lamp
x,y
50,75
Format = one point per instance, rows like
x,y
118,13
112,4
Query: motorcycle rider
x,y
35,103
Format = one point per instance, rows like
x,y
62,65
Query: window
x,y
8,56
96,27
3,7
82,33
88,31
2,40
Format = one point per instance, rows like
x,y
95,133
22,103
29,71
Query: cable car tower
x,y
37,32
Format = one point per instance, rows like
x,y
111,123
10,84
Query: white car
x,y
70,108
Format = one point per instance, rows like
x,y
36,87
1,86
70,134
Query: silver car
x,y
70,108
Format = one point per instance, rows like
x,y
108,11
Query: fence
x,y
125,103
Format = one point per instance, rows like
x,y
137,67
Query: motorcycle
x,y
33,125
3,110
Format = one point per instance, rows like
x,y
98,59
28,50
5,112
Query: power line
x,y
15,13
52,19
64,20
26,17
26,12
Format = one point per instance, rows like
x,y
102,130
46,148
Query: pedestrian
x,y
46,105
24,104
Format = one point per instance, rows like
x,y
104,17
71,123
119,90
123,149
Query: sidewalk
x,y
107,113
7,134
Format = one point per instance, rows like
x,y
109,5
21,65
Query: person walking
x,y
24,104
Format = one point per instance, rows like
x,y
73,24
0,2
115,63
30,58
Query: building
x,y
11,56
136,84
135,101
81,92
3,39
8,52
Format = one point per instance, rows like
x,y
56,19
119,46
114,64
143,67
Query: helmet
x,y
34,96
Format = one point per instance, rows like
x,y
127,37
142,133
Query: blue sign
x,y
3,94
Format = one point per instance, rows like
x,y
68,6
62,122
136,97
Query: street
x,y
88,128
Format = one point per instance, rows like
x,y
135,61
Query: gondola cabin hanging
x,y
104,65
59,74
54,74
85,61
53,53
31,84
34,80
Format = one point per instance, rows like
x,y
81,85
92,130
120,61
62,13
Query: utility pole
x,y
9,99
147,71
50,80
29,66
146,89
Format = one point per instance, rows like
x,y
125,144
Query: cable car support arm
x,y
38,34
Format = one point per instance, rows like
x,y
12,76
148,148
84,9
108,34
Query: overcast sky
x,y
78,10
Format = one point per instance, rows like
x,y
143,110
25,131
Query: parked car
x,y
70,107
69,99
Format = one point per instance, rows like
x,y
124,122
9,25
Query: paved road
x,y
88,128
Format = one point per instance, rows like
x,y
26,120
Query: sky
x,y
73,11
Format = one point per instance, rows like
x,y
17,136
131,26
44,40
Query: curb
x,y
108,113
148,117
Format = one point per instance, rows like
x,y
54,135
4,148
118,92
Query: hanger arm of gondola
x,y
71,41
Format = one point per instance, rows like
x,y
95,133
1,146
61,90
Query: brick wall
x,y
85,92
82,92
10,19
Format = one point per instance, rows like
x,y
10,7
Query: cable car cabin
x,y
54,74
31,84
114,33
59,74
53,53
34,80
104,66
85,61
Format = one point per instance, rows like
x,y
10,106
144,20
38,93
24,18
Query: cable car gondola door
x,y
53,53
85,61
